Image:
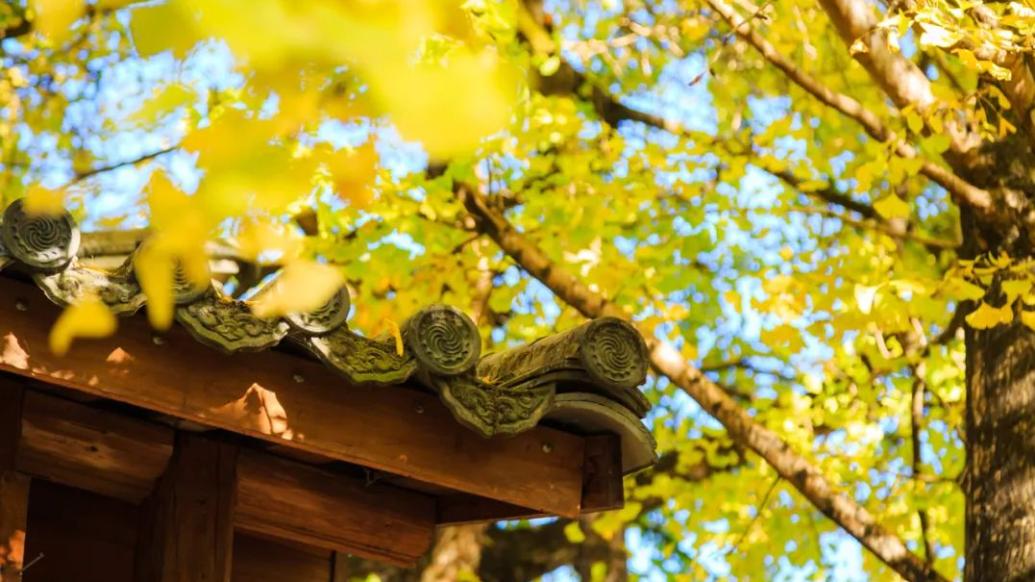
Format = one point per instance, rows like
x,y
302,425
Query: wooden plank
x,y
259,559
602,478
286,499
396,430
602,489
14,487
186,534
463,509
79,536
92,449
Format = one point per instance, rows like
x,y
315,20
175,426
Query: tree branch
x,y
742,428
567,81
896,75
16,29
758,515
963,192
25,26
80,176
916,418
829,194
884,227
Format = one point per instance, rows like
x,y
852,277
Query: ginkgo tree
x,y
819,214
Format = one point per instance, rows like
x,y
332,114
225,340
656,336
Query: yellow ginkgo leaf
x,y
155,272
449,109
44,201
182,224
264,241
1028,319
162,265
1014,288
353,173
54,18
891,206
784,338
733,299
396,333
963,290
164,101
89,318
986,316
864,296
303,286
161,27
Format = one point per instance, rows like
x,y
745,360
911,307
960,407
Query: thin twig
x,y
758,514
80,176
916,418
933,244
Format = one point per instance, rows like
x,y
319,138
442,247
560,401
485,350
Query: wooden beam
x,y
462,509
108,453
602,489
602,474
186,533
297,403
259,559
14,487
96,450
289,500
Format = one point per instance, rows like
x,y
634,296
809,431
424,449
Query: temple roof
x,y
584,380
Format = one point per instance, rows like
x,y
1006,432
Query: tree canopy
x,y
819,215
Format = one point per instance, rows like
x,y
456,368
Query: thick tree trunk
x,y
457,553
1000,483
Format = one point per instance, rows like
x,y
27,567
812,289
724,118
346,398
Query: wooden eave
x,y
391,442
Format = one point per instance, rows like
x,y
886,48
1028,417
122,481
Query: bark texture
x,y
1000,520
1000,478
